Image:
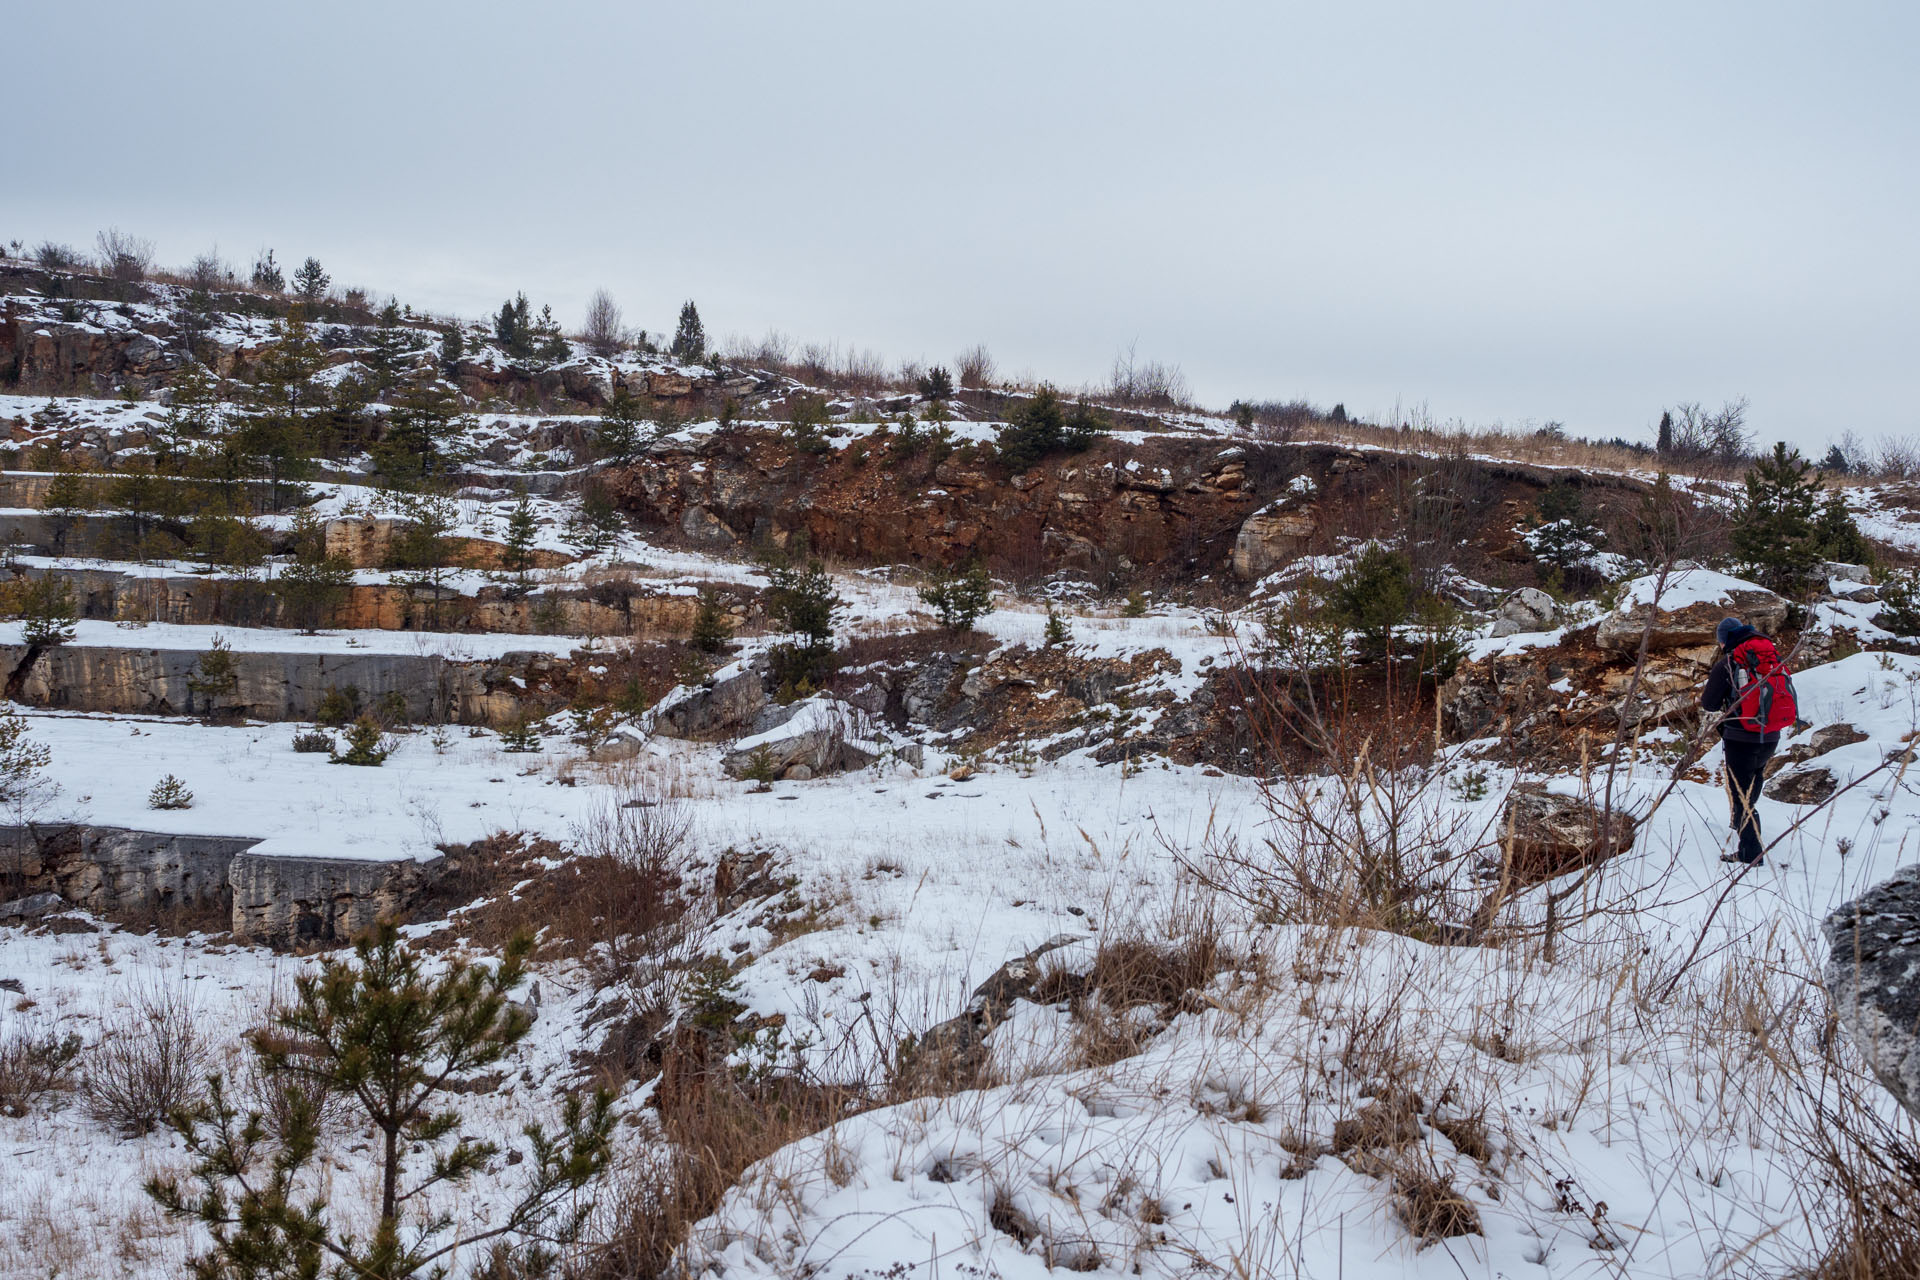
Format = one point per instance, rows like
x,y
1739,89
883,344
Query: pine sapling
x,y
400,1039
366,744
712,626
169,793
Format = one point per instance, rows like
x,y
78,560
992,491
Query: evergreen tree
x,y
1058,632
520,735
275,435
215,677
1376,594
513,327
959,599
46,610
937,385
391,345
1836,536
516,556
621,434
801,599
690,337
310,282
367,745
548,342
313,589
596,526
1773,527
712,626
415,445
1565,535
1663,443
453,347
267,275
1040,427
1835,463
68,498
399,1038
194,317
193,413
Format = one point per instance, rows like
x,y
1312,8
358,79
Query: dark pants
x,y
1745,763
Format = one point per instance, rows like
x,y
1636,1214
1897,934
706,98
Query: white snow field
x,y
1609,1072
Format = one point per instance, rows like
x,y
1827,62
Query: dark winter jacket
x,y
1719,692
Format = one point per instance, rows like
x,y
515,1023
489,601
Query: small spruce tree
x,y
46,610
215,678
959,599
310,282
1374,596
520,734
516,554
267,276
1836,536
690,336
1773,526
367,744
712,626
313,589
169,793
1058,633
1663,439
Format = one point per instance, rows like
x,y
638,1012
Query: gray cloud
x,y
1507,212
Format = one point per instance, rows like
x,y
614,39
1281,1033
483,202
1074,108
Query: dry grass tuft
x,y
1428,1203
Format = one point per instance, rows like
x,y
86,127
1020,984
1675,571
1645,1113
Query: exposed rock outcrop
x,y
284,686
113,870
1873,974
1802,784
1528,609
1546,834
289,901
1683,620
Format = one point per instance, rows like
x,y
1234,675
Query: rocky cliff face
x,y
1161,511
285,686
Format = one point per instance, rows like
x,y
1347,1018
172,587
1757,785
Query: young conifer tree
x,y
400,1039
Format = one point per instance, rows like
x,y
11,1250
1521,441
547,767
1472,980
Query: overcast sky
x,y
1507,212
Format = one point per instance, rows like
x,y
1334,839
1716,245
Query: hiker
x,y
1750,687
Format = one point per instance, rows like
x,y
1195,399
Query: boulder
x,y
1271,537
1689,609
822,737
1818,743
290,900
1846,572
725,703
1802,784
1546,834
1529,609
1873,974
957,1047
32,907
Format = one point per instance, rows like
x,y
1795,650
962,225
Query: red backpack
x,y
1763,697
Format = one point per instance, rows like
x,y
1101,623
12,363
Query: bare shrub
x,y
33,1064
1279,421
1146,384
147,1064
975,366
207,271
49,255
1719,436
602,330
124,256
1895,458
